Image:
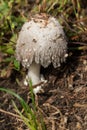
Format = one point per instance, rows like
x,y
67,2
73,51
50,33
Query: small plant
x,y
31,119
11,20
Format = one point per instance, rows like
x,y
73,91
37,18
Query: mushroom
x,y
41,42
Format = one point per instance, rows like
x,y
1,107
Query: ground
x,y
63,102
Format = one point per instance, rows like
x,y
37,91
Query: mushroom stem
x,y
34,73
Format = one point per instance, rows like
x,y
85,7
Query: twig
x,y
81,20
80,105
78,43
9,113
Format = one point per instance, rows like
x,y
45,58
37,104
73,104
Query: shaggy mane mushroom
x,y
41,42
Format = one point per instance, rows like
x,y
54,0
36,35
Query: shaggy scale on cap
x,y
41,40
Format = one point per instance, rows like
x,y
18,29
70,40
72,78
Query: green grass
x,y
31,119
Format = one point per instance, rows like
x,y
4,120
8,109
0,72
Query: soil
x,y
63,101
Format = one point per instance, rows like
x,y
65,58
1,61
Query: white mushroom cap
x,y
41,40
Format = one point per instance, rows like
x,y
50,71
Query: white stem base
x,y
34,73
35,77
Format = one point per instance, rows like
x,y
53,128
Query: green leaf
x,y
4,8
17,65
10,51
8,59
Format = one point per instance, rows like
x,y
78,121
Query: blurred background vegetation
x,y
13,13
